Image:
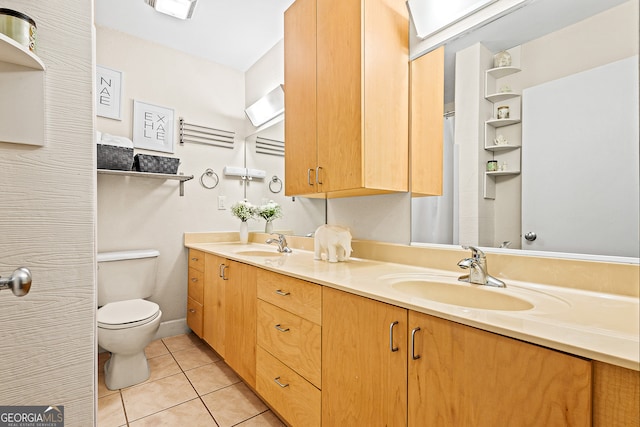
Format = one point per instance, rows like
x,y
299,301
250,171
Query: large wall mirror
x,y
264,150
576,160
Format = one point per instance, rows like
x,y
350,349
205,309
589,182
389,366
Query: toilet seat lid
x,y
127,312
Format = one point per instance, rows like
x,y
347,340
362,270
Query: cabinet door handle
x,y
282,293
318,169
223,268
309,176
281,329
391,347
414,356
277,380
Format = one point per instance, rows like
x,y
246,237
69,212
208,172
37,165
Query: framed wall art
x,y
152,127
108,93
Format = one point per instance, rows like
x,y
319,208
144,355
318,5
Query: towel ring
x,y
211,174
278,184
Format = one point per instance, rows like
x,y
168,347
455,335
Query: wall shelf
x,y
499,93
22,105
181,178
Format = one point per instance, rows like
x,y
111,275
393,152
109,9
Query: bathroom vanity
x,y
347,344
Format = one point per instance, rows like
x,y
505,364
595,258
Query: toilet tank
x,y
126,275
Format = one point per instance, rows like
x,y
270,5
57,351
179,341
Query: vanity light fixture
x,y
181,9
266,108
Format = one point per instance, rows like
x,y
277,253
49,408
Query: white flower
x,y
243,210
269,211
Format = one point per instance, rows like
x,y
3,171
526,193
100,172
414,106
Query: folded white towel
x,y
118,141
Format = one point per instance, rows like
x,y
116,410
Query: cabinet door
x,y
364,382
427,127
339,94
240,321
466,376
616,396
300,156
214,303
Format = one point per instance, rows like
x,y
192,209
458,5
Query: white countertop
x,y
593,325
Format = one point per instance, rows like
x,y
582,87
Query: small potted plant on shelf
x,y
245,211
269,211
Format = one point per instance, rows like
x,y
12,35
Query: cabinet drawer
x,y
292,339
194,316
196,259
294,295
196,285
295,399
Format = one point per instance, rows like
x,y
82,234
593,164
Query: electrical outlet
x,y
222,203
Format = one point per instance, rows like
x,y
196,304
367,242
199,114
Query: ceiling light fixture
x,y
181,9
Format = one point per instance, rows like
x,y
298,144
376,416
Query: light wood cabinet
x,y
616,396
466,376
195,291
346,96
289,336
364,361
240,319
426,125
214,302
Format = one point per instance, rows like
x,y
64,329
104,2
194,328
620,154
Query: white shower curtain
x,y
432,218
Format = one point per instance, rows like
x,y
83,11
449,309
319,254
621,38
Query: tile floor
x,y
189,385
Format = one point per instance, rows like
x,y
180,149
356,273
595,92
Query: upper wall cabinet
x,y
426,126
22,100
346,97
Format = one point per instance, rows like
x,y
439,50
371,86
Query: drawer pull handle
x,y
283,293
281,329
194,259
414,356
277,380
391,347
194,279
191,310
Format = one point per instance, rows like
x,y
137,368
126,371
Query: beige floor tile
x,y
110,411
162,366
191,413
148,398
194,357
266,419
181,342
212,377
233,404
155,348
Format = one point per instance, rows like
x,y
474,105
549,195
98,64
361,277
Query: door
x,y
300,155
47,224
364,361
575,203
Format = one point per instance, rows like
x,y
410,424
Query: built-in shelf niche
x,y
22,104
499,92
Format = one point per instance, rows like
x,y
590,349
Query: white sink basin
x,y
463,294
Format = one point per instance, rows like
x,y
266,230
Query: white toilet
x,y
126,321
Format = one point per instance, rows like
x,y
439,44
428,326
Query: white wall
x,y
47,223
146,213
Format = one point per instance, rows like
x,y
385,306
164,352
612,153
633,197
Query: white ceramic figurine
x,y
332,241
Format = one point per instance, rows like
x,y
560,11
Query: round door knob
x,y
530,236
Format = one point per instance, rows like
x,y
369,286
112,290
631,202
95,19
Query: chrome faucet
x,y
477,266
281,241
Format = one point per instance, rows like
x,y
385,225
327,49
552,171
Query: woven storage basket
x,y
156,164
112,157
